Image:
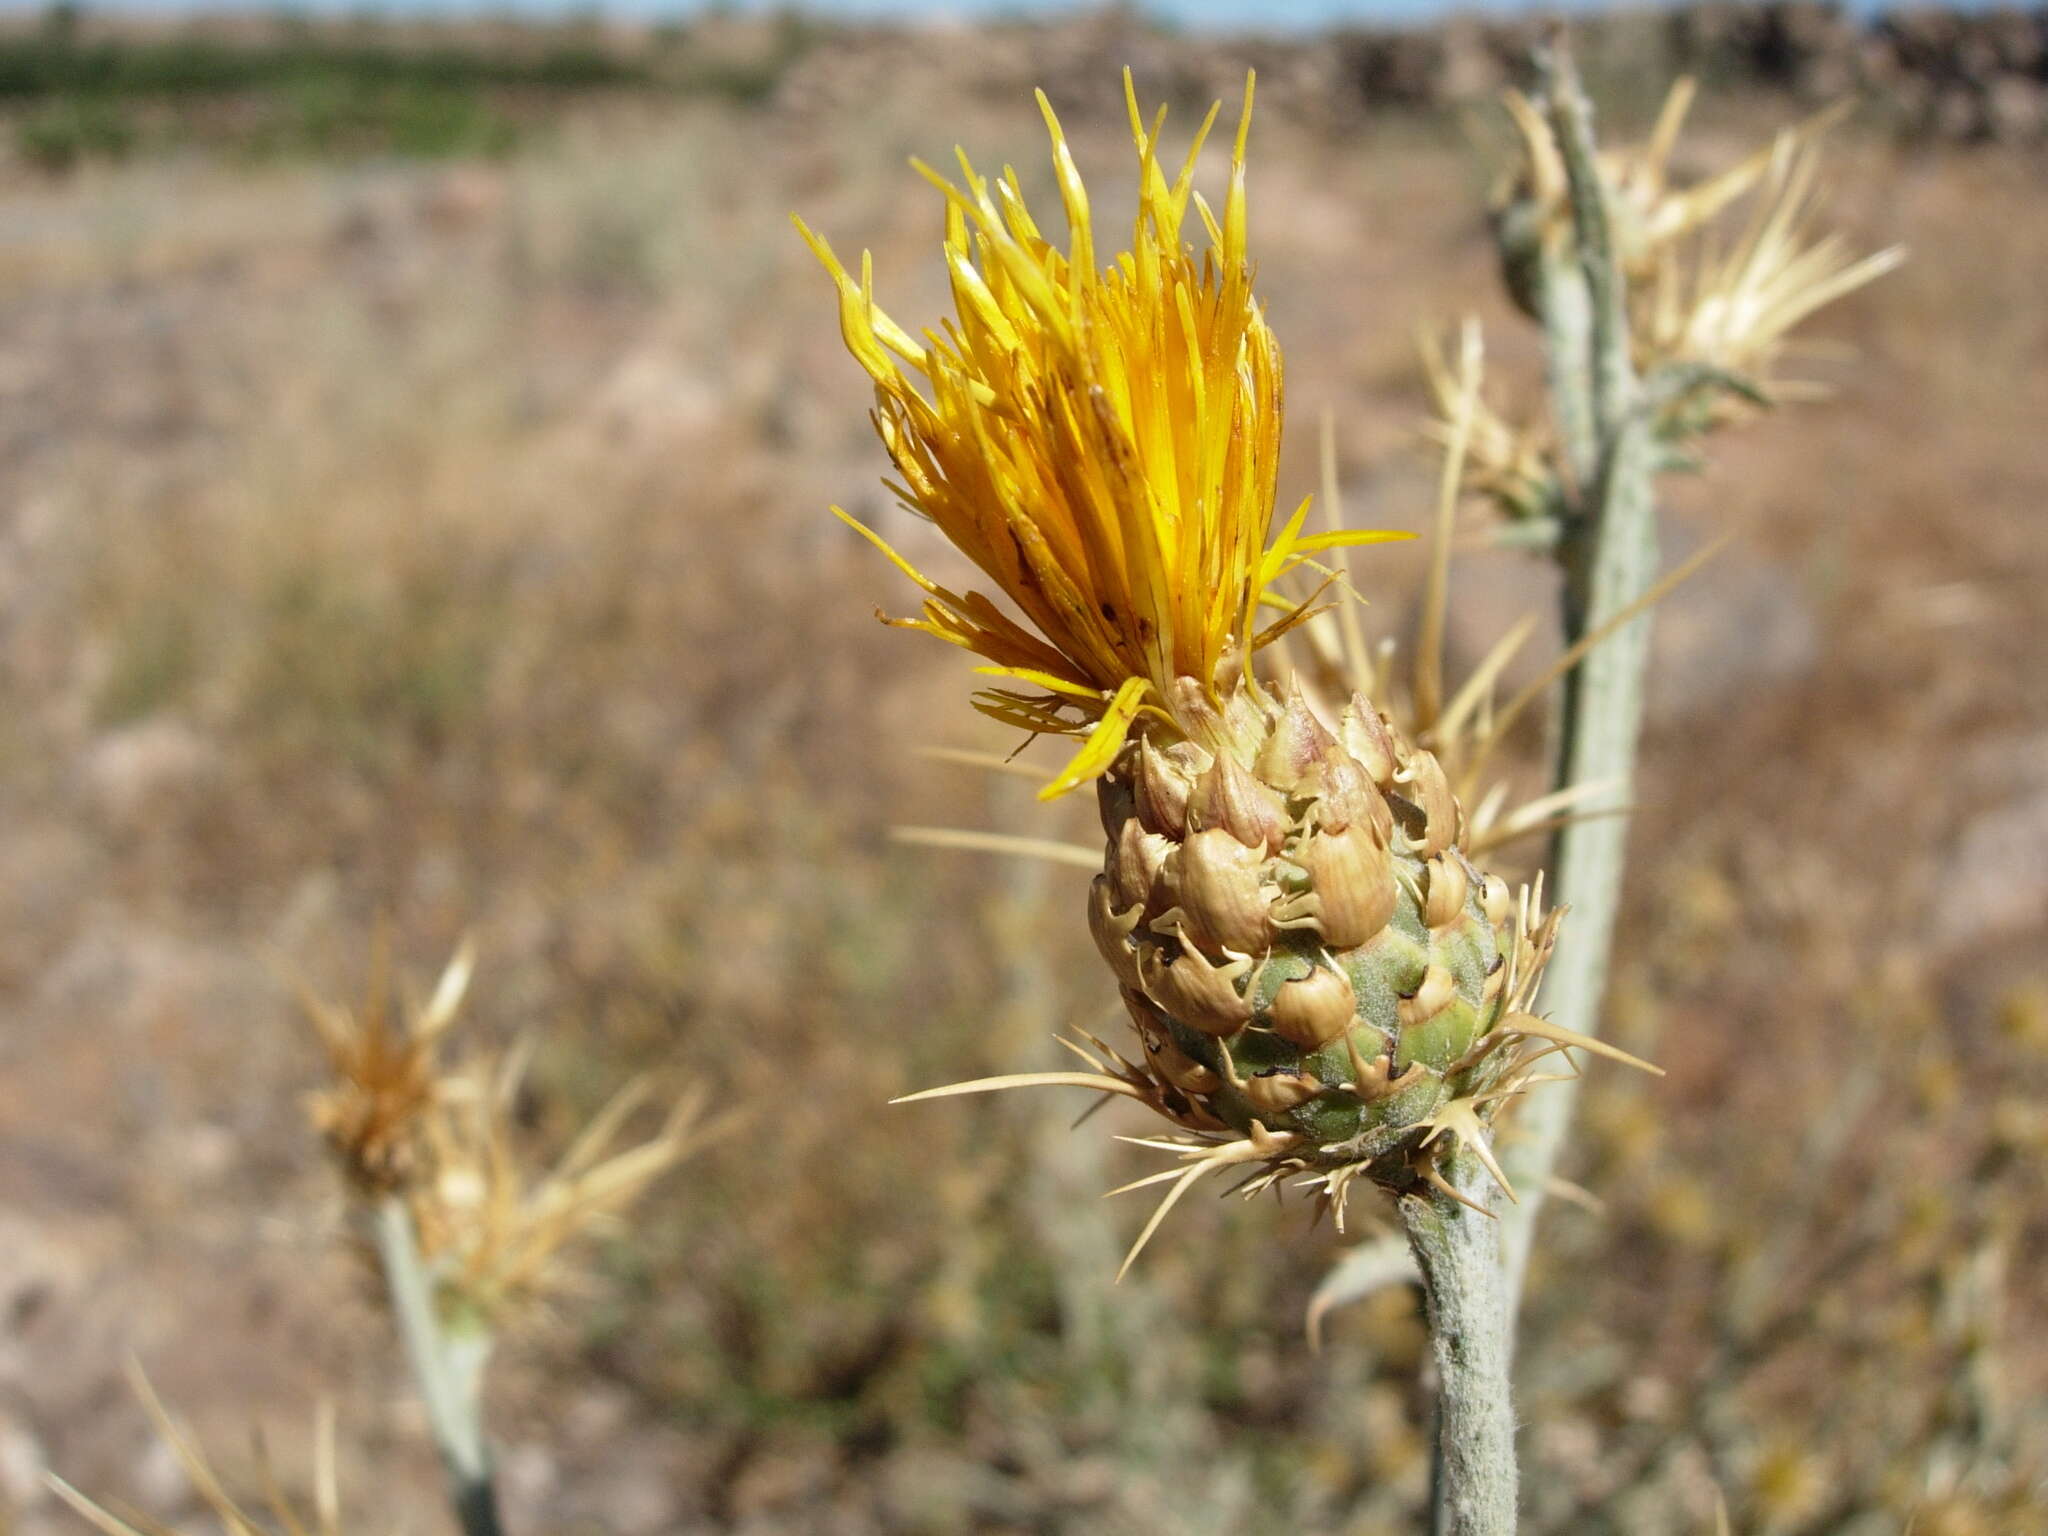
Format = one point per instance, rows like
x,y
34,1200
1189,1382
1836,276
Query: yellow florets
x,y
1100,440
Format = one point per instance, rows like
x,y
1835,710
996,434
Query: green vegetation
x,y
79,91
60,133
60,57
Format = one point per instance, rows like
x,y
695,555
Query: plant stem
x,y
1458,1250
1609,551
448,1365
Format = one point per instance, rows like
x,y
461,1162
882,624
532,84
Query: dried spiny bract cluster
x,y
1732,311
386,1073
1710,307
1532,205
1307,955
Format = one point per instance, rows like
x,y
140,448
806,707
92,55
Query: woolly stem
x,y
1608,547
1458,1250
448,1365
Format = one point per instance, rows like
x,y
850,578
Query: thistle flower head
x,y
386,1073
1325,987
1321,982
1700,307
1101,440
1506,462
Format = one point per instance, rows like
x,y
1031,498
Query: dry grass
x,y
452,542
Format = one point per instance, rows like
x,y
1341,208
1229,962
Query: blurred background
x,y
415,438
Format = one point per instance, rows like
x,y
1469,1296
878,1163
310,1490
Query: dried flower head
x,y
1691,304
440,1136
1509,464
1709,313
385,1070
1100,440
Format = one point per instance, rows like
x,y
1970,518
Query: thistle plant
x,y
465,1236
1323,983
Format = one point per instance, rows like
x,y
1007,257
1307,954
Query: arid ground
x,y
448,540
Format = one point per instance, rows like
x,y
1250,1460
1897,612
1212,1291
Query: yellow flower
x,y
1100,440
